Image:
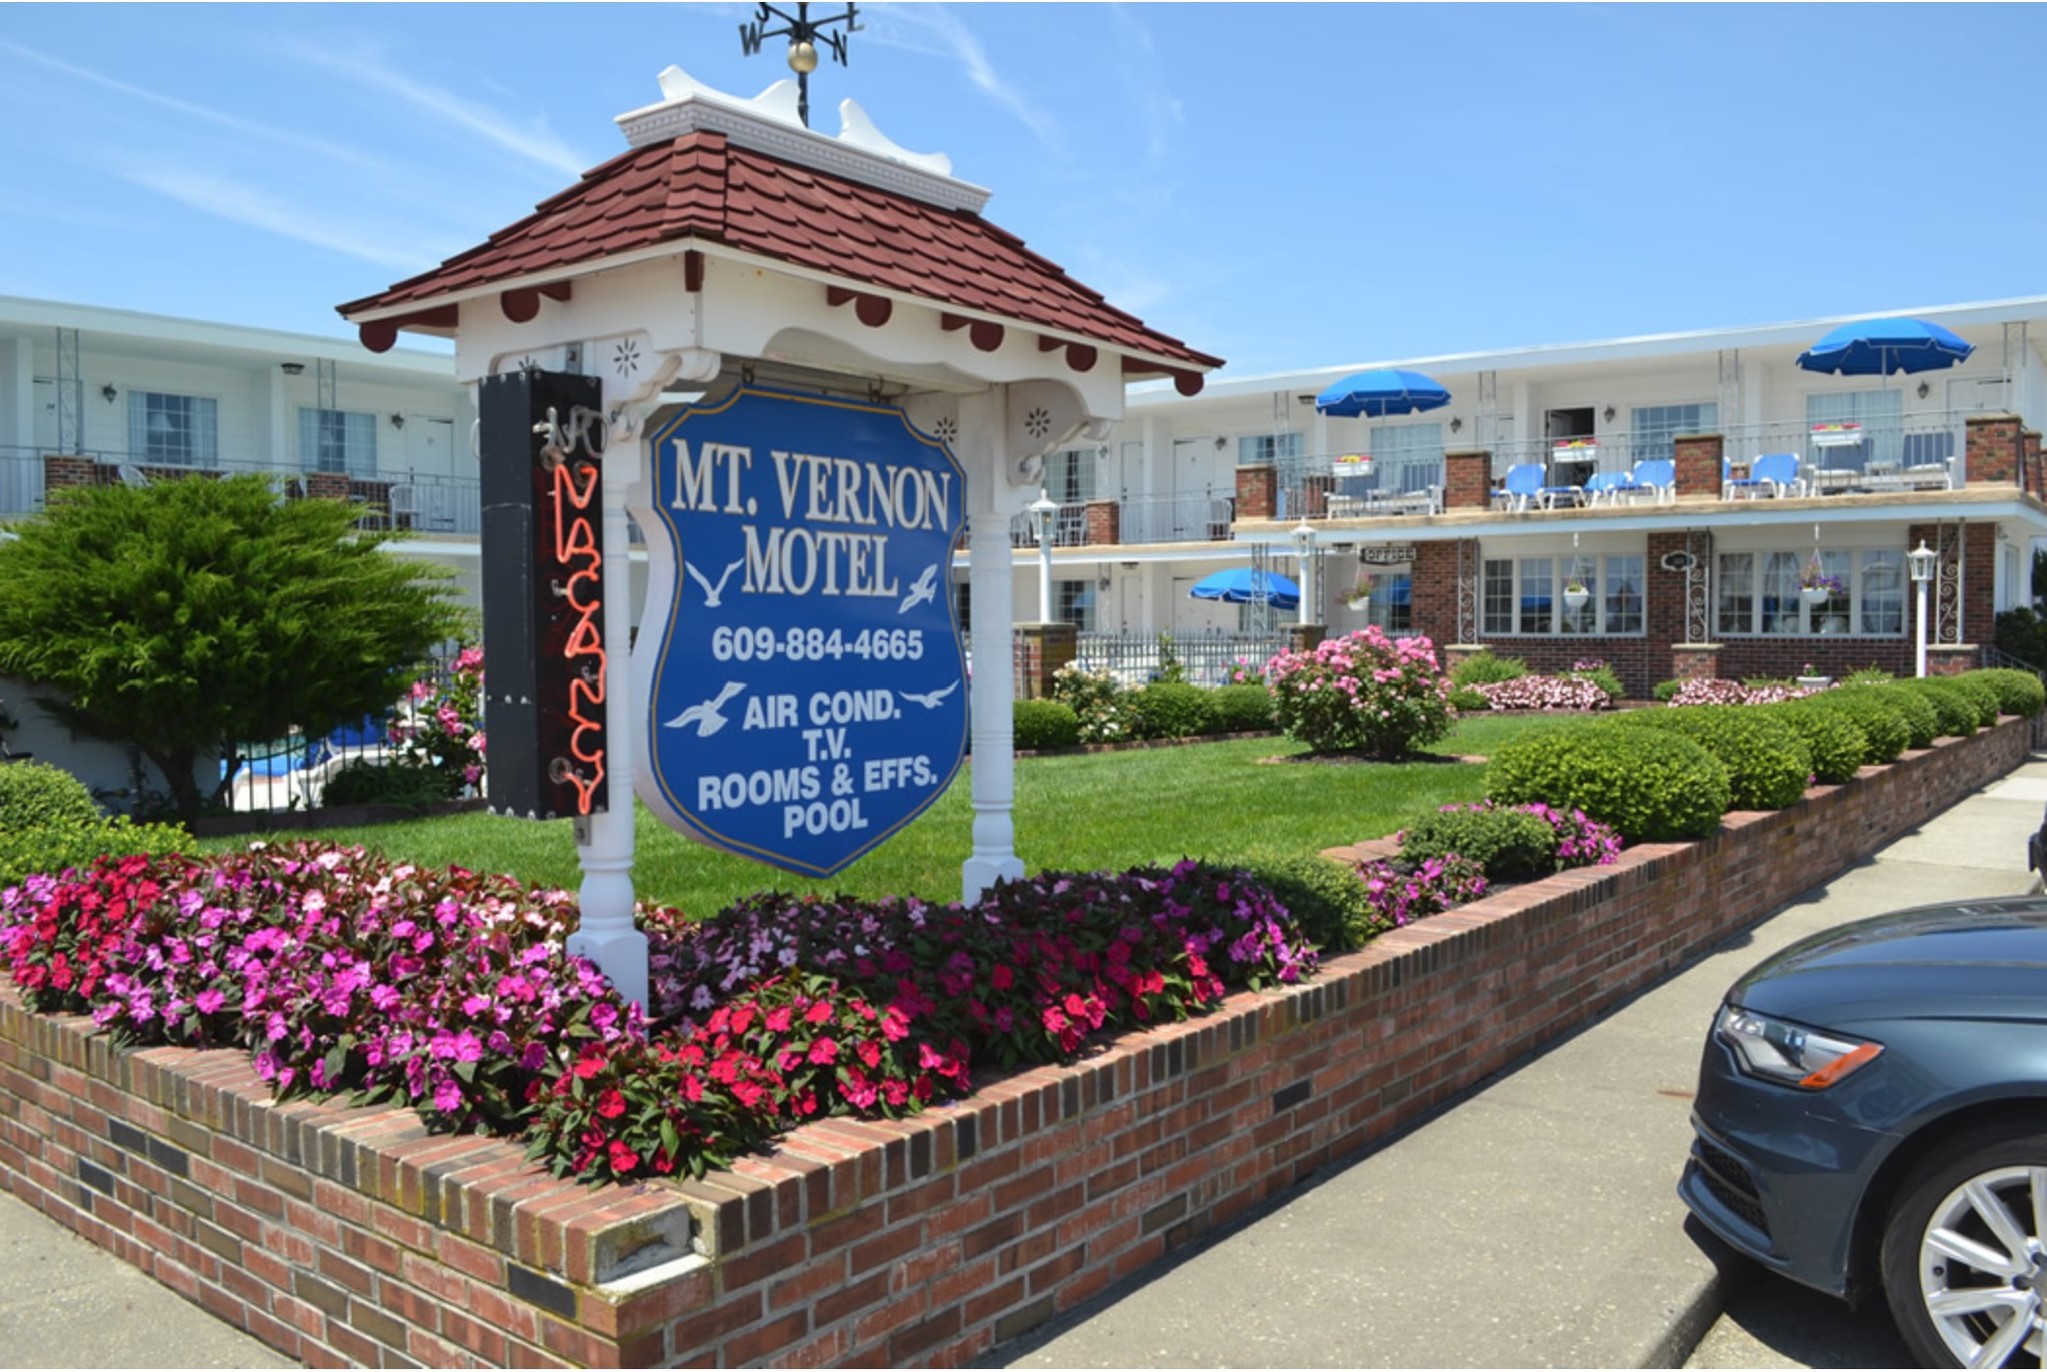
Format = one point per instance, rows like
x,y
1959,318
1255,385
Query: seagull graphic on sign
x,y
929,699
711,593
924,588
708,716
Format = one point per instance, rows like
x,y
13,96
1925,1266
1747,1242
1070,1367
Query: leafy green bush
x,y
1242,709
1174,709
1651,784
1601,676
1046,724
74,842
1836,744
2018,693
1767,762
1922,721
1885,732
35,793
1362,693
1868,676
396,782
1098,700
1666,691
1988,702
1955,708
1325,897
1469,698
1486,665
1512,845
2023,634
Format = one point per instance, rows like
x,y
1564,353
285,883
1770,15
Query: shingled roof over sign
x,y
705,187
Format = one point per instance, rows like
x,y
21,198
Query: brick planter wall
x,y
341,1234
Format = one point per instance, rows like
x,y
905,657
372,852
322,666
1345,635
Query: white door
x,y
429,445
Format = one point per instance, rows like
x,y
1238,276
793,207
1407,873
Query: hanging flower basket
x,y
1575,596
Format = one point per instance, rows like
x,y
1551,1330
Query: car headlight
x,y
1790,1054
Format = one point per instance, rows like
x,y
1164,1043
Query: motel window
x,y
1526,595
1654,428
1879,412
338,441
1076,602
175,430
1759,593
1407,457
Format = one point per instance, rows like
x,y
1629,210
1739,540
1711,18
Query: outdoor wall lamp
x,y
1609,414
1455,425
292,368
1303,537
109,392
1921,560
1923,390
1042,512
397,421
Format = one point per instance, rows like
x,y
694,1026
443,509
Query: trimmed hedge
x,y
1837,745
1988,702
1922,721
1045,724
1653,785
396,782
35,793
1512,845
2018,693
1885,732
1767,762
1242,709
1956,709
50,848
1174,709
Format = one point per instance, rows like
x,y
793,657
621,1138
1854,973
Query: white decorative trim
x,y
767,124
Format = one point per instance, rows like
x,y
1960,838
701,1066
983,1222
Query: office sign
x,y
807,695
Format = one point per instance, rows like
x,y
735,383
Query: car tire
x,y
1981,1196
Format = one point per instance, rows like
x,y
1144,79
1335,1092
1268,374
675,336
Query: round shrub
x,y
1362,693
1651,784
2018,693
1046,724
1837,746
1601,676
1666,691
51,848
1486,665
1510,844
35,793
1884,730
1467,698
1983,693
396,782
1767,762
1955,708
1173,709
1098,700
1922,721
1242,709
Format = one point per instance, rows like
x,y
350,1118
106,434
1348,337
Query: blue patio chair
x,y
1658,476
1772,474
1608,487
1524,483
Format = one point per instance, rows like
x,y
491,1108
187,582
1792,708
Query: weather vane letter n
x,y
803,34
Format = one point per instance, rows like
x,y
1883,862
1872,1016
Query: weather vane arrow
x,y
803,34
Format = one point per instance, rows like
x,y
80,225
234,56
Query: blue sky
x,y
1287,186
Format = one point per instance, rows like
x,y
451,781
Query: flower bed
x,y
341,1233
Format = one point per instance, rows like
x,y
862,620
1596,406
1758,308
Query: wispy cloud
x,y
937,30
1144,84
248,128
534,144
242,204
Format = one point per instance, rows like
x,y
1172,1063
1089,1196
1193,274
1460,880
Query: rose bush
x,y
1362,693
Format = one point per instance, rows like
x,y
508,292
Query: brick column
x,y
327,485
1434,589
1042,650
1698,466
1104,521
1315,496
1695,661
2035,481
1257,492
1467,479
69,471
1994,450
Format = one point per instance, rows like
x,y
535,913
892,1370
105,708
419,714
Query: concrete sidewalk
x,y
1535,1223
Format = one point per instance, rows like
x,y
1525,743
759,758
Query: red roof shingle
x,y
701,187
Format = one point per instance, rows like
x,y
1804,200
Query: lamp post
x,y
1304,548
1043,510
1921,560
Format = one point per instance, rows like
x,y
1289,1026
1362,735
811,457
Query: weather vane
x,y
802,32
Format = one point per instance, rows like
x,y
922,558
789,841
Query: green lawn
x,y
1097,810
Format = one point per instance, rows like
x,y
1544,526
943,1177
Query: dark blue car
x,y
1872,1114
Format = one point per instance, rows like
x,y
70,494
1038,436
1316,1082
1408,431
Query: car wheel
x,y
1965,1251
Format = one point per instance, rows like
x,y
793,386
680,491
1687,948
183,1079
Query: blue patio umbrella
x,y
1248,586
1382,391
1880,347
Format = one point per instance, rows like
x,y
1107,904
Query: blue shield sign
x,y
807,695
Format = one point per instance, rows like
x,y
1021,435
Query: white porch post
x,y
604,843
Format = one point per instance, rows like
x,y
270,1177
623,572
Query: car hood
x,y
1981,960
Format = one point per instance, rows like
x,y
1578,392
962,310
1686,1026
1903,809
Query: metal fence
x,y
1205,657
